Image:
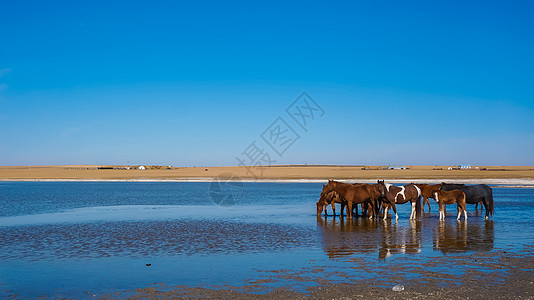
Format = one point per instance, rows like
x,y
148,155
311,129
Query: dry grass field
x,y
311,172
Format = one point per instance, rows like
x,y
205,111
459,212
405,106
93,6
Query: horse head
x,y
381,188
328,187
320,206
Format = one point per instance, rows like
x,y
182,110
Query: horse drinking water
x,y
329,199
353,194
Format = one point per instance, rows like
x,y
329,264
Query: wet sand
x,y
508,276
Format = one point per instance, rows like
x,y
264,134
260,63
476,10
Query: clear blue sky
x,y
194,83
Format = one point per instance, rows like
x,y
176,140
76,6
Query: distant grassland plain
x,y
278,172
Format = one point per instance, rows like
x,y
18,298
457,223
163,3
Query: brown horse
x,y
427,191
449,197
399,195
353,194
474,194
332,198
329,199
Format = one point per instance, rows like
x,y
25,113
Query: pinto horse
x,y
474,194
399,195
449,197
427,191
353,194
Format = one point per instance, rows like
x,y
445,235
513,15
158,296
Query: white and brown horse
x,y
399,195
450,197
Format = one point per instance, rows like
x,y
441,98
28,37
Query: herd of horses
x,y
382,196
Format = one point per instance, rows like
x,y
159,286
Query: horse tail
x,y
490,200
418,207
418,202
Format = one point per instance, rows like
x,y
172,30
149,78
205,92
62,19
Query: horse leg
x,y
464,204
459,211
412,215
379,207
349,209
423,204
428,203
386,207
333,205
395,211
441,213
486,208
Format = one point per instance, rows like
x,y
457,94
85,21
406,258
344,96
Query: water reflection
x,y
342,237
463,236
397,239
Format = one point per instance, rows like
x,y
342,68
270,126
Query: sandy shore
x,y
493,175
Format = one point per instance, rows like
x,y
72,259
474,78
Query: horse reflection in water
x,y
397,239
344,238
463,236
341,238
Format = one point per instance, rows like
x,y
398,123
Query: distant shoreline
x,y
501,183
516,176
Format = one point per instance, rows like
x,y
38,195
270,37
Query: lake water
x,y
78,239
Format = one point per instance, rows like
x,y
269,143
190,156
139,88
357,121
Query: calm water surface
x,y
77,239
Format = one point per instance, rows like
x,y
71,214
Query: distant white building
x,y
142,168
464,167
397,167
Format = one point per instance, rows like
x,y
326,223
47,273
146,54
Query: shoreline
x,y
494,182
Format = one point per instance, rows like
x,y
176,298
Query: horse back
x,y
476,193
360,193
429,189
411,191
458,195
451,196
452,186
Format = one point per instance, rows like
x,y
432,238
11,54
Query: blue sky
x,y
194,83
